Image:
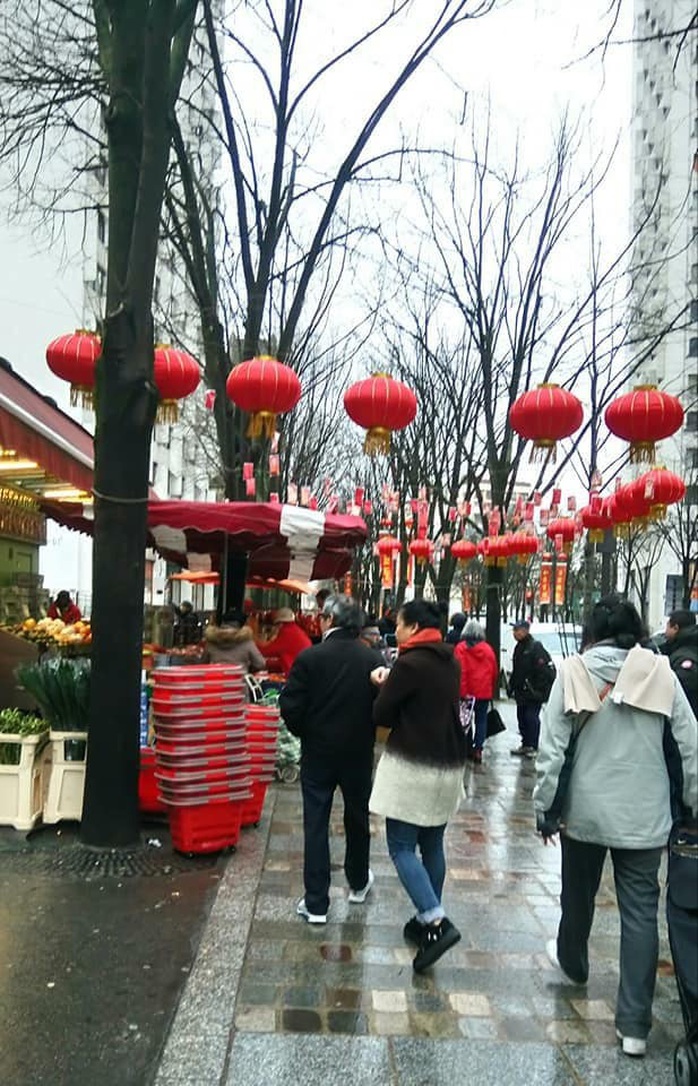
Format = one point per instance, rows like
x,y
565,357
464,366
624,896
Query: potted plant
x,y
23,767
62,689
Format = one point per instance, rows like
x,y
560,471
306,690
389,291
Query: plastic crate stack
x,y
262,727
203,765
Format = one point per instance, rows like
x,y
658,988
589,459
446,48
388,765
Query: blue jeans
x,y
422,879
481,707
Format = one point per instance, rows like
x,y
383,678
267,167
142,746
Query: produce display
x,y
53,631
15,722
62,689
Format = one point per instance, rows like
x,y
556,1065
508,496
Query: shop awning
x,y
281,541
297,588
36,430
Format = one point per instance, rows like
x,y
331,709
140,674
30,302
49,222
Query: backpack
x,y
544,674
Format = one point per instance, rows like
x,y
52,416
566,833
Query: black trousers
x,y
318,783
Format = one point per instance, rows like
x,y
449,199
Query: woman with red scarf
x,y
419,779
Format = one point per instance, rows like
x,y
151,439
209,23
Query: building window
x,y
692,494
693,347
100,281
101,227
692,422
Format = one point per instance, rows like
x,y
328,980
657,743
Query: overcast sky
x,y
525,56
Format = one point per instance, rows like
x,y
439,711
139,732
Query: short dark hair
x,y
233,617
63,597
321,595
682,618
344,612
458,620
422,613
615,619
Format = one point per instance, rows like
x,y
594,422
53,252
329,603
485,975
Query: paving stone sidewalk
x,y
274,1000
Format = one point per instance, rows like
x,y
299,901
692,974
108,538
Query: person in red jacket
x,y
64,608
479,674
288,639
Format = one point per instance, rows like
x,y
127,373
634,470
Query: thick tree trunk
x,y
122,448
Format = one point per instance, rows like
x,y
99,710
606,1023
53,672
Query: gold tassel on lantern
x,y
167,413
377,441
82,396
261,422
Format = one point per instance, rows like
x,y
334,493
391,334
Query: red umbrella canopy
x,y
380,404
281,541
643,417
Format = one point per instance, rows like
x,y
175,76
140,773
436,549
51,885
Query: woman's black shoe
x,y
436,940
413,931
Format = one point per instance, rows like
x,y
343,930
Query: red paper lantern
x,y
176,375
643,417
422,550
463,551
264,388
73,358
522,545
388,545
380,404
562,528
660,488
494,549
630,506
597,521
544,416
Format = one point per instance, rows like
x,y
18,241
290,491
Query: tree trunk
x,y
122,450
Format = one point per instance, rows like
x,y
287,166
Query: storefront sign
x,y
20,516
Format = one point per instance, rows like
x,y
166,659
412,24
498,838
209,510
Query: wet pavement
x,y
92,967
200,973
274,1000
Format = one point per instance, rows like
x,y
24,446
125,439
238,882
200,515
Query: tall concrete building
x,y
665,194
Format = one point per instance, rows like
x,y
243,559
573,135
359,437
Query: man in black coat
x,y
532,677
681,647
328,703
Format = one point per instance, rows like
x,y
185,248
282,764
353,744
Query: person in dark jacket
x,y
327,702
187,629
682,649
419,779
532,677
455,631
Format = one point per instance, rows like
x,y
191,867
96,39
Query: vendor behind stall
x,y
233,643
187,629
64,608
287,639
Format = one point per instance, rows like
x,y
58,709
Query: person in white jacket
x,y
618,762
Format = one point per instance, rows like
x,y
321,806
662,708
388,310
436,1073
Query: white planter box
x,y
66,781
22,786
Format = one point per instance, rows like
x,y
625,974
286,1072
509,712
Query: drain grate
x,y
86,864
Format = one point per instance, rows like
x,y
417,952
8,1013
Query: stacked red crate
x,y
262,733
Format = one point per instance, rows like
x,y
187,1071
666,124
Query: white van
x,y
561,639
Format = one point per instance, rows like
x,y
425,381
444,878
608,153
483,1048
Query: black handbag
x,y
495,724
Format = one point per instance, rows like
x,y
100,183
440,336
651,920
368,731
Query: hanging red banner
x,y
546,580
560,581
387,573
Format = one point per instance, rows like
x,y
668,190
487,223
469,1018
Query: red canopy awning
x,y
281,541
38,430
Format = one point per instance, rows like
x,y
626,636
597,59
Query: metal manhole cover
x,y
78,862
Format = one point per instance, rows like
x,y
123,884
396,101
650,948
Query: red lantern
x,y
73,358
643,417
388,545
380,404
619,515
544,416
564,529
422,550
176,375
264,388
522,546
597,521
660,488
494,549
630,506
463,551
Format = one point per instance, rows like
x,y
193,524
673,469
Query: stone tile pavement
x,y
274,1000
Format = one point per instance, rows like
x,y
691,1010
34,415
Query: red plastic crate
x,y
205,827
253,807
148,799
198,673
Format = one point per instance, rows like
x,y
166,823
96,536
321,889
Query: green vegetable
x,y
15,722
62,689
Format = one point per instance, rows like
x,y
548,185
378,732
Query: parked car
x,y
561,639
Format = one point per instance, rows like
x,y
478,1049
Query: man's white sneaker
x,y
357,897
312,918
551,951
632,1046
